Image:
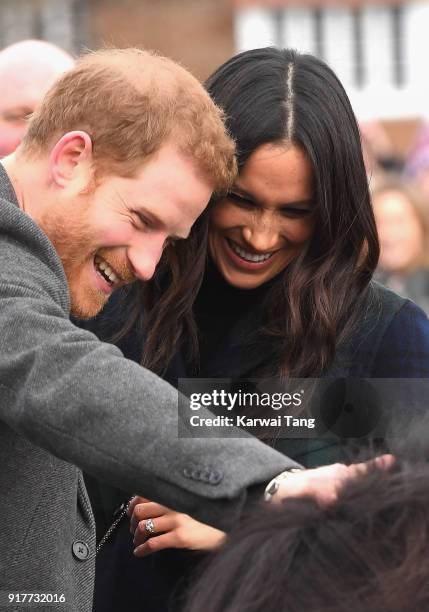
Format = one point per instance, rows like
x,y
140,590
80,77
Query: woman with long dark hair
x,y
286,290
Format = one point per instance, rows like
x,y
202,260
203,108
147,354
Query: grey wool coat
x,y
69,402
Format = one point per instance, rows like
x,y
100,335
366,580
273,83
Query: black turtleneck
x,y
219,306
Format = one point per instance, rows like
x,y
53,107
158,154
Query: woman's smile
x,y
246,259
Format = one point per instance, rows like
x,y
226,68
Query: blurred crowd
x,y
400,195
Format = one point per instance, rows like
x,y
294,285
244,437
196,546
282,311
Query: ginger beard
x,y
72,236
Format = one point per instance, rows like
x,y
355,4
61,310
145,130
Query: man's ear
x,y
70,162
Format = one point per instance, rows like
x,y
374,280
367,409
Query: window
x,y
364,45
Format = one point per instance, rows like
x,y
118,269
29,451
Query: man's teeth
x,y
103,268
249,256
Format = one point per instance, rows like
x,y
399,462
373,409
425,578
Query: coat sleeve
x,y
81,400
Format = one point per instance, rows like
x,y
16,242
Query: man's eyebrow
x,y
157,222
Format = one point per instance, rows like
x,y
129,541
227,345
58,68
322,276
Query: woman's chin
x,y
241,280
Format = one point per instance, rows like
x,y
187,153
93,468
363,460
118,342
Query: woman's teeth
x,y
102,267
248,256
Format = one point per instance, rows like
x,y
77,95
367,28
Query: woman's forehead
x,y
280,172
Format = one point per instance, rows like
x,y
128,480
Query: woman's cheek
x,y
225,216
298,234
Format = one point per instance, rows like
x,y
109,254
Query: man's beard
x,y
72,238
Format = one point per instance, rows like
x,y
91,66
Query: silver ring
x,y
150,526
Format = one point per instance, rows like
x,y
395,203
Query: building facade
x,y
65,23
378,49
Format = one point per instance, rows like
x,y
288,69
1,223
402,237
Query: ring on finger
x,y
150,526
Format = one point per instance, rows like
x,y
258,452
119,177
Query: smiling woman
x,y
266,219
287,289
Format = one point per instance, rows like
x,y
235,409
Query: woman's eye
x,y
295,213
239,201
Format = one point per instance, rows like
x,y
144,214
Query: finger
x,y
141,534
162,524
383,462
149,510
132,504
134,520
166,540
145,511
356,470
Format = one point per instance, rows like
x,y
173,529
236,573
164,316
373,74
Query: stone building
x,y
198,33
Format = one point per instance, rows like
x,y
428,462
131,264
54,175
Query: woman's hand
x,y
171,529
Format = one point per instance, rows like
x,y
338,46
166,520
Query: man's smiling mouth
x,y
106,271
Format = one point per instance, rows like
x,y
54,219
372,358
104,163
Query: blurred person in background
x,y
378,151
27,70
417,163
287,292
403,229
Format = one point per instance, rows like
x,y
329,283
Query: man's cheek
x,y
112,232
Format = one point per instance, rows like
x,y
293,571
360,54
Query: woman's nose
x,y
261,238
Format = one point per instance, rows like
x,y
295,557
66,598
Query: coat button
x,y
187,472
80,550
215,477
205,475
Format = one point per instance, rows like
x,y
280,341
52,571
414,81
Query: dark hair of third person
x,y
366,553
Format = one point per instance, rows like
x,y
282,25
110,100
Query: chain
x,y
114,525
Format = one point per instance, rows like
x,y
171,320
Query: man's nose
x,y
261,238
145,256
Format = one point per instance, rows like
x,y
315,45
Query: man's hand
x,y
171,529
323,483
176,530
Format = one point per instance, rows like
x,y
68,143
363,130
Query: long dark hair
x,y
278,95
